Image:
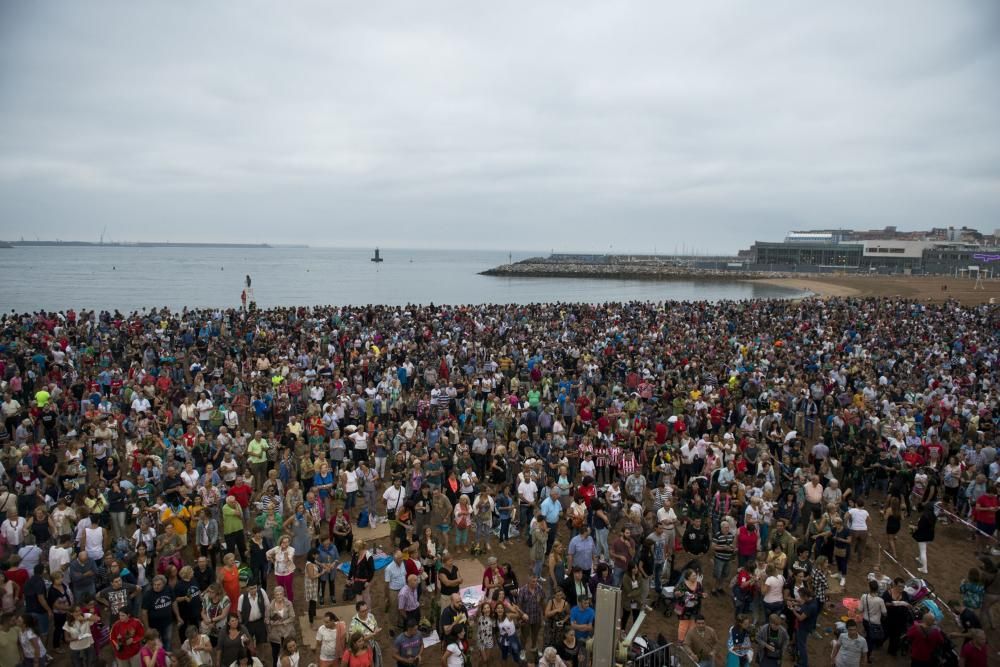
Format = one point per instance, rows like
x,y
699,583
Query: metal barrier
x,y
658,657
668,655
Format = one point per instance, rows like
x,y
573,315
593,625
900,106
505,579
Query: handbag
x,y
875,631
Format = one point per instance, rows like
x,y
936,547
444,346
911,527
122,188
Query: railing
x,y
668,655
658,657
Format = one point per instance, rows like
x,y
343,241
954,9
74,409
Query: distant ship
x,y
376,258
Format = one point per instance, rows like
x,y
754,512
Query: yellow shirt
x,y
178,519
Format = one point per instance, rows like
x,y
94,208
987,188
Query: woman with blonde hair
x,y
556,565
280,621
463,519
550,658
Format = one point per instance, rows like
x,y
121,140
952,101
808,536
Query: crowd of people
x,y
178,487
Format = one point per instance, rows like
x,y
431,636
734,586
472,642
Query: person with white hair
x,y
550,658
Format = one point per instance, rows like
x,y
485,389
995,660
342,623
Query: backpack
x,y
363,519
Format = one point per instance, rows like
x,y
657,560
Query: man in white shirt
x,y
12,529
252,607
394,497
527,494
140,404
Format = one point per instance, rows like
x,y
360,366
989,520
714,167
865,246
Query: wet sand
x,y
924,288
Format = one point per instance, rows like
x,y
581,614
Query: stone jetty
x,y
620,267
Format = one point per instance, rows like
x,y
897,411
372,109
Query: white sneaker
x,y
922,570
843,582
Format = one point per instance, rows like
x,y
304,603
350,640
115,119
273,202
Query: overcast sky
x,y
531,125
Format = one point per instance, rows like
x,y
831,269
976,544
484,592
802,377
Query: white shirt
x,y
666,515
205,407
872,607
360,440
256,613
190,479
13,532
284,564
857,518
186,412
455,658
79,634
527,492
327,639
93,537
59,558
394,498
30,555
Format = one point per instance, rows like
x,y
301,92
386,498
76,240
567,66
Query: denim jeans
x,y
504,529
657,574
801,639
85,658
601,537
510,646
43,623
524,519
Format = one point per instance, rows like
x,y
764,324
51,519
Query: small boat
x,y
376,258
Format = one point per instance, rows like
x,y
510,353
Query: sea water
x,y
132,278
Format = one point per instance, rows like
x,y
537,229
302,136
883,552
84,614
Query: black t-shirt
x,y
695,541
47,464
451,574
450,616
159,606
189,609
54,595
204,578
117,597
34,587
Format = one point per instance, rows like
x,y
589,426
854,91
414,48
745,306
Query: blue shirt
x,y
319,479
582,617
395,575
551,509
504,506
582,551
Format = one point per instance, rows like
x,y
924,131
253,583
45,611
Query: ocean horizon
x,y
131,278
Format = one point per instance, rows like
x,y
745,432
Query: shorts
x,y
988,528
443,527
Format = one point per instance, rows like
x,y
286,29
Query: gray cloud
x,y
524,125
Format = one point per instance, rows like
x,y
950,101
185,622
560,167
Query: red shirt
x,y
982,516
913,458
19,576
975,656
746,542
242,493
126,637
923,642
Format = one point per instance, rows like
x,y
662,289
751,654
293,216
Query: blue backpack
x,y
363,519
